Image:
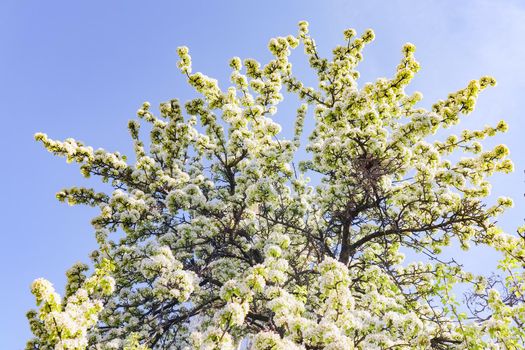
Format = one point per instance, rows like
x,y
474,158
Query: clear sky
x,y
81,69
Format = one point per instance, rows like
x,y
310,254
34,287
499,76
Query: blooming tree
x,y
216,238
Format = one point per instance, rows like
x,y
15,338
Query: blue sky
x,y
81,69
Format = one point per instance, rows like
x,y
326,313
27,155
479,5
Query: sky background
x,y
81,69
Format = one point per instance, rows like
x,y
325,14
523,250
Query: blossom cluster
x,y
63,324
